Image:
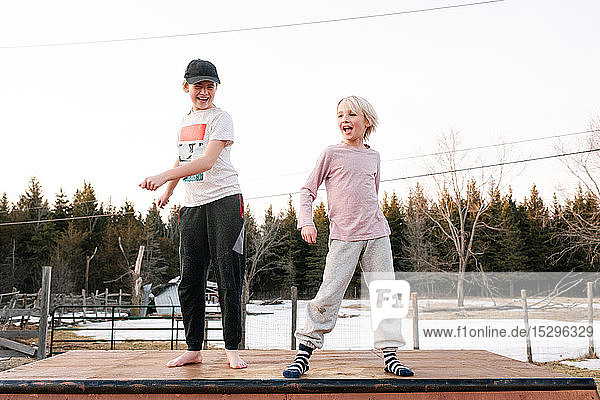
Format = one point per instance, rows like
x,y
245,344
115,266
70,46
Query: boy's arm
x,y
163,200
201,164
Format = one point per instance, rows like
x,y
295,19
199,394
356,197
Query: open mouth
x,y
347,129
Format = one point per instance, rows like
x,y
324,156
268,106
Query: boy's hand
x,y
163,200
153,182
309,234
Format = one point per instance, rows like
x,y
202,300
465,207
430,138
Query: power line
x,y
452,171
492,165
255,28
447,152
65,219
48,207
487,146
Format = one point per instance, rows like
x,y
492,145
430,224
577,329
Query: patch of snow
x,y
270,327
593,364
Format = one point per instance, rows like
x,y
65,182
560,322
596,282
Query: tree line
x,y
506,235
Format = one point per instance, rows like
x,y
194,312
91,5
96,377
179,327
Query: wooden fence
x,y
97,298
22,308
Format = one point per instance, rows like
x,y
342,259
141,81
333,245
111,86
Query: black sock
x,y
300,364
393,365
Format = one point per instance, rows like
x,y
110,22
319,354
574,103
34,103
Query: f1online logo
x,y
389,300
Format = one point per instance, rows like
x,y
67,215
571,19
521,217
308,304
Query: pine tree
x,y
297,249
512,255
317,252
32,241
68,260
420,252
157,269
536,234
489,246
6,273
396,217
62,209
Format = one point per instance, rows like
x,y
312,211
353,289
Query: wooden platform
x,y
439,374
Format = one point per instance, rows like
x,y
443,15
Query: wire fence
x,y
554,318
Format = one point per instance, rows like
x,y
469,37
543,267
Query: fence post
x,y
415,306
294,296
120,299
136,289
205,343
526,321
73,308
96,303
44,309
590,298
83,302
106,302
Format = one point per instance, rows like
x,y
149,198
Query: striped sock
x,y
300,364
393,365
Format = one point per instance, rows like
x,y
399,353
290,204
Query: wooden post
x,y
294,296
95,302
83,302
590,298
105,301
120,300
205,344
526,321
415,306
73,308
88,259
44,309
136,294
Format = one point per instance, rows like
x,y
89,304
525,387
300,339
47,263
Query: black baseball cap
x,y
201,70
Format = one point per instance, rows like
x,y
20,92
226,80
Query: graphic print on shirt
x,y
191,147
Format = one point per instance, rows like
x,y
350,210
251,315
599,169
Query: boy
x,y
212,218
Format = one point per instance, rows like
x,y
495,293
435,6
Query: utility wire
x,y
452,171
41,207
487,146
492,165
64,219
255,28
446,152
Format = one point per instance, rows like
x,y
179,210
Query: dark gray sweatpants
x,y
212,234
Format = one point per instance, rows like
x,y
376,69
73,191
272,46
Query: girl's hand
x,y
309,234
164,199
153,182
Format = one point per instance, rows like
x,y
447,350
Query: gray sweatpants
x,y
375,259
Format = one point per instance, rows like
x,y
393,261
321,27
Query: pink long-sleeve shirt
x,y
351,178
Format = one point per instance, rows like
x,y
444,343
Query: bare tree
x,y
458,212
88,260
261,244
580,217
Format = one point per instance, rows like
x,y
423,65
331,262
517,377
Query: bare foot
x,y
235,362
189,357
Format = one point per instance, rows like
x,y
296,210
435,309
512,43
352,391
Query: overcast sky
x,y
108,112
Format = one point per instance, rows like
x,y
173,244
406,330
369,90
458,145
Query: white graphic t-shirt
x,y
197,129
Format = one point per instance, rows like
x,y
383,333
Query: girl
x,y
359,233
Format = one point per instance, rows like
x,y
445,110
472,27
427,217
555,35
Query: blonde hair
x,y
362,107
